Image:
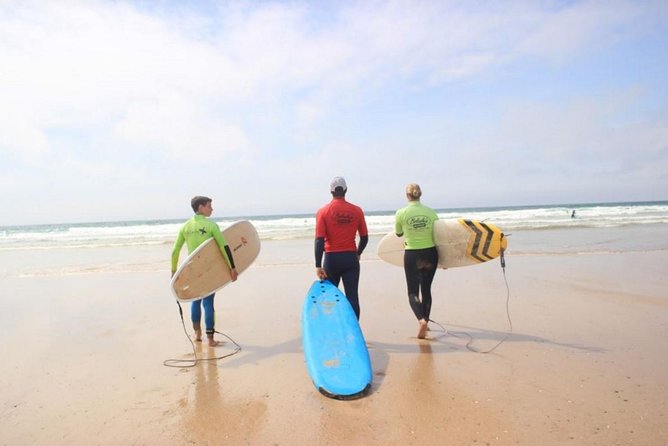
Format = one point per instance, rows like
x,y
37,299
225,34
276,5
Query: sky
x,y
124,110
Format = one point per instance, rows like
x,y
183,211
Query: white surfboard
x,y
205,271
459,242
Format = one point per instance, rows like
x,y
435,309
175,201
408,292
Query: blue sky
x,y
120,110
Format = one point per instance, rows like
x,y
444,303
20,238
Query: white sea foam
x,y
288,227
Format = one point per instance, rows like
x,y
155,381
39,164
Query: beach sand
x,y
83,357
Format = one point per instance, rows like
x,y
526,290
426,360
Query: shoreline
x,y
276,253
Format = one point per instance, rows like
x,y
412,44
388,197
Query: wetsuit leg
x,y
427,264
351,280
411,271
209,314
420,267
196,313
413,282
346,266
331,266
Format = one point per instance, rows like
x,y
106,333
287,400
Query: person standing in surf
x,y
336,226
416,223
194,232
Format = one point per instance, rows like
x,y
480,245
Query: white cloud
x,y
180,129
290,92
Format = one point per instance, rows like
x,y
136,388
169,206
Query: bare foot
x,y
198,335
422,332
213,342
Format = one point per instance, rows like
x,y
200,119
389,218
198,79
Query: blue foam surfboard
x,y
336,355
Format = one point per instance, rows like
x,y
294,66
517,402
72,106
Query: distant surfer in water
x,y
194,232
336,225
416,223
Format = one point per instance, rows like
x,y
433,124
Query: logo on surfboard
x,y
243,243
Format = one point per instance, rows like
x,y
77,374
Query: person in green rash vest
x,y
193,233
416,223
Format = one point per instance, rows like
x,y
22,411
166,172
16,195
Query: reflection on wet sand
x,y
422,377
211,417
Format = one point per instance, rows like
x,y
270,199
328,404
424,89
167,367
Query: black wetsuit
x,y
420,267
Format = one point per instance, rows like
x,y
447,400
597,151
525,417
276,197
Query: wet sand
x,y
83,358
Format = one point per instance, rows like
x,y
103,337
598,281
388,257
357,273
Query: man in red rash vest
x,y
336,226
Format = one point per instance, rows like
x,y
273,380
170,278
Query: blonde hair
x,y
413,191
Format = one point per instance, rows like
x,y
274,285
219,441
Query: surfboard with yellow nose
x,y
336,355
460,242
205,270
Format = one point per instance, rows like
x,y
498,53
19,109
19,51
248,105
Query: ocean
x,y
145,245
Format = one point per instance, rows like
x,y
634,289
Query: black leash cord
x,y
193,362
510,322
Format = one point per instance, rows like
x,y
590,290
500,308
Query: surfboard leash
x,y
510,322
183,363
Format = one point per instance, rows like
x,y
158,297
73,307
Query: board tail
x,y
487,241
354,396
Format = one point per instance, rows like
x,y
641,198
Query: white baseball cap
x,y
338,182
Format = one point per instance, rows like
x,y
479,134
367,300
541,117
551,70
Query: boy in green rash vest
x,y
194,232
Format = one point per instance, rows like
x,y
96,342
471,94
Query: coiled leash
x,y
193,362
